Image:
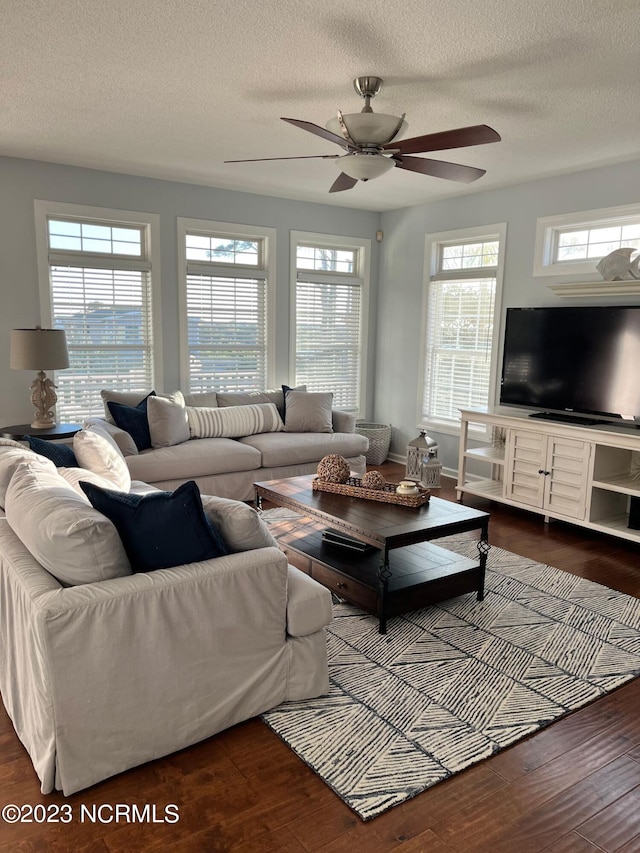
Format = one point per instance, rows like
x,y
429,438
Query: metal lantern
x,y
418,453
431,470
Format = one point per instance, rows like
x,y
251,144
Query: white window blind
x,y
227,332
459,333
328,339
459,336
100,291
331,277
226,299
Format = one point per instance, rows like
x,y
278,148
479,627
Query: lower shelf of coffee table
x,y
421,574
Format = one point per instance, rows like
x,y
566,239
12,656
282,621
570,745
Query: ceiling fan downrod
x,y
367,88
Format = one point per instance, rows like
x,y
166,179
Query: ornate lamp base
x,y
44,398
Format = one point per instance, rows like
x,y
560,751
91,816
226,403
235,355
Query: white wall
x,y
22,181
400,286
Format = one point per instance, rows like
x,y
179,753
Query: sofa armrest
x,y
308,605
343,421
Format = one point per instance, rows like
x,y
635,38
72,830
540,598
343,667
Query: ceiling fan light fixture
x,y
369,128
364,167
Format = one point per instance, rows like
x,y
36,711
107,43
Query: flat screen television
x,y
581,360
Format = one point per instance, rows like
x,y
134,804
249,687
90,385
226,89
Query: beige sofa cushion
x,y
194,458
65,534
125,398
202,398
289,448
250,398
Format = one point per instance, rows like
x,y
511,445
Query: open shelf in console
x,y
617,469
493,454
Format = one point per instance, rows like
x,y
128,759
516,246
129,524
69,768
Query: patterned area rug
x,y
455,683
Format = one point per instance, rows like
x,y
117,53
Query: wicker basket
x,y
379,436
354,489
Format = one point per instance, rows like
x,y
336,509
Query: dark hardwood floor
x,y
572,788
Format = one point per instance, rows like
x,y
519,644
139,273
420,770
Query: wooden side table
x,y
59,431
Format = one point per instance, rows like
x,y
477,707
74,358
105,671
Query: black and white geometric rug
x,y
455,683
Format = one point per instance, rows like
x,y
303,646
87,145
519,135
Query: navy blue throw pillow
x,y
133,419
60,454
160,529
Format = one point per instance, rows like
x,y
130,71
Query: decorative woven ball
x,y
333,469
373,480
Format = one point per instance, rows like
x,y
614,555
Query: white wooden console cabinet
x,y
581,474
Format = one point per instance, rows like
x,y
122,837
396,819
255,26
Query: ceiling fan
x,y
370,141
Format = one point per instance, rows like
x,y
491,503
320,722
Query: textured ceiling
x,y
172,89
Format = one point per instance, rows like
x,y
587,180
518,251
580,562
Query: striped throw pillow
x,y
233,421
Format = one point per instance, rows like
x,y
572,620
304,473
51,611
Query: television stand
x,y
581,474
565,419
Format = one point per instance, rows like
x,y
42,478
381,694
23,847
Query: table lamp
x,y
40,349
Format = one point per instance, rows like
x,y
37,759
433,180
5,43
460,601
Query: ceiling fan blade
x,y
440,169
477,134
303,157
343,182
320,131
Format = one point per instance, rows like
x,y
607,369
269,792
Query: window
x,y
226,306
330,294
461,305
574,243
95,272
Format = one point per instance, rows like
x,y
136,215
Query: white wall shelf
x,y
596,288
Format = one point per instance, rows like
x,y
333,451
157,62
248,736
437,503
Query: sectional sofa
x,y
225,448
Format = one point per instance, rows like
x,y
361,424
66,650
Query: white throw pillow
x,y
12,455
239,524
65,534
234,421
98,452
73,476
122,438
168,421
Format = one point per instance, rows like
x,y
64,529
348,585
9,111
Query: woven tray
x,y
387,494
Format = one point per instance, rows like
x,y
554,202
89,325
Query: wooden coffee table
x,y
420,572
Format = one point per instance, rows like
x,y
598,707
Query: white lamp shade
x,y
364,167
39,349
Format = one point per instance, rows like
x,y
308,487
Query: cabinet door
x,y
566,471
524,468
